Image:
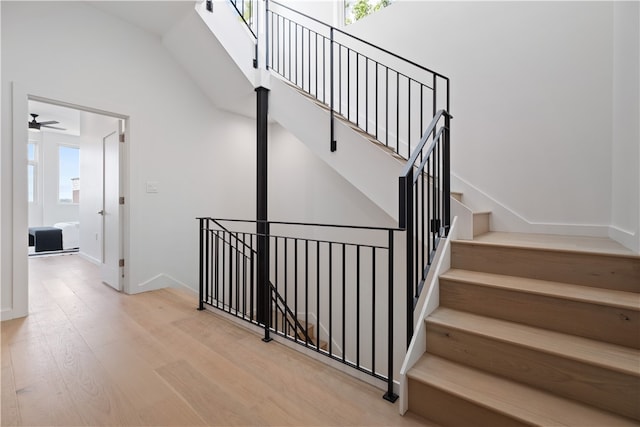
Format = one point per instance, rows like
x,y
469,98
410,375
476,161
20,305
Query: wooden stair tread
x,y
608,356
516,400
609,297
549,248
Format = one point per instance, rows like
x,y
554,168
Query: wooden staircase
x,y
286,325
532,336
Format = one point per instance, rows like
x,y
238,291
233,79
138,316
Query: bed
x,y
61,237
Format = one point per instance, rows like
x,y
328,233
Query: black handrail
x,y
304,224
425,218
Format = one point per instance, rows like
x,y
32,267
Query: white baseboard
x,y
626,238
161,281
6,314
504,218
89,258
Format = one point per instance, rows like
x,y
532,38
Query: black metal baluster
x,y
348,84
230,284
386,100
309,48
398,115
295,284
358,247
276,281
223,266
324,69
207,261
416,216
244,275
409,117
286,274
202,262
344,292
373,310
357,88
430,192
252,289
423,216
390,395
317,295
421,111
237,277
435,96
330,298
340,79
377,87
289,49
216,268
366,94
306,292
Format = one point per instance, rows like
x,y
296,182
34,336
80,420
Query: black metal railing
x,y
337,278
387,96
424,206
248,12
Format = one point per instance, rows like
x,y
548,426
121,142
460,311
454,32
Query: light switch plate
x,y
152,186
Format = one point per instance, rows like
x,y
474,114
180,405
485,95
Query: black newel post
x,y
263,289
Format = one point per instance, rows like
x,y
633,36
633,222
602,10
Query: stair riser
x,y
447,409
597,270
481,223
594,385
594,321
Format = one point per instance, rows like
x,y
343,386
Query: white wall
x,y
94,128
625,189
199,156
305,188
531,99
325,11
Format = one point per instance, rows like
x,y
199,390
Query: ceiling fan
x,y
35,124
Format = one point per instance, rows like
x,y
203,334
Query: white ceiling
x,y
156,17
68,118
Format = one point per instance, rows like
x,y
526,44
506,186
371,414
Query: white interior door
x,y
111,269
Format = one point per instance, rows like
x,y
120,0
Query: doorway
x,y
74,186
96,235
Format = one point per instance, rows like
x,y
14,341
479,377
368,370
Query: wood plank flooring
x,y
87,355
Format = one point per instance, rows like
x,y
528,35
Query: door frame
x,y
20,206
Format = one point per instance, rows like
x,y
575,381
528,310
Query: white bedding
x,y
70,234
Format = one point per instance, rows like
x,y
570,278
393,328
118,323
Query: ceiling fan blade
x,y
50,122
51,127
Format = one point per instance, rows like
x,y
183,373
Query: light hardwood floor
x,y
87,355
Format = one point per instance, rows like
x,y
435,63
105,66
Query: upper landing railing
x,y
389,97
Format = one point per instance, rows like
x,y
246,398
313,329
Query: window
x,y
354,10
69,174
32,171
